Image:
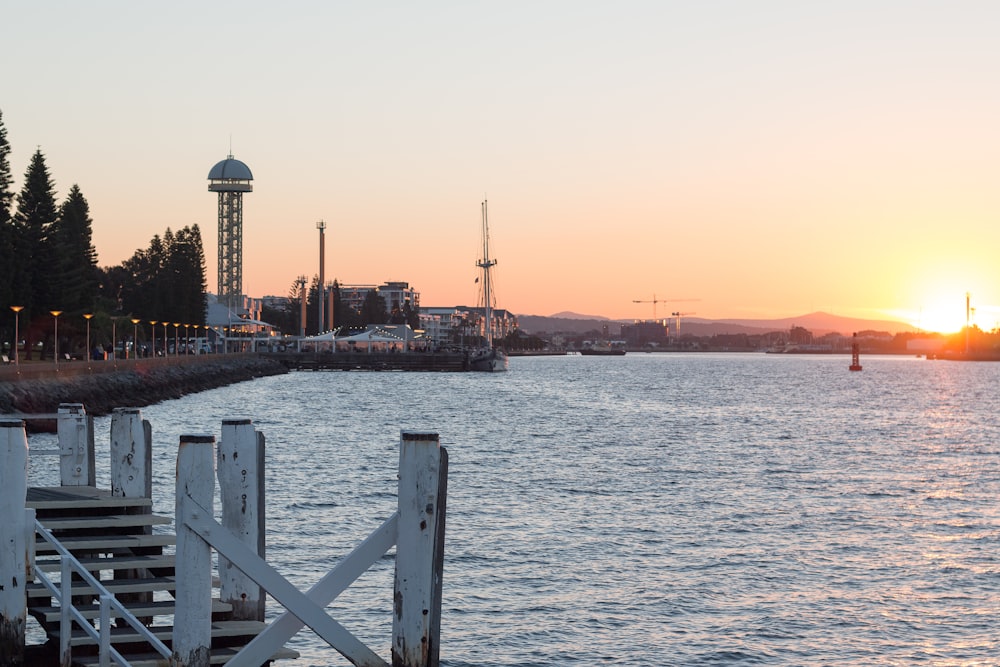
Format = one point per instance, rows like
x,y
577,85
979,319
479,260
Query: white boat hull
x,y
488,361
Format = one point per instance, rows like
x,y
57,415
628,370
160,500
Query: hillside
x,y
818,323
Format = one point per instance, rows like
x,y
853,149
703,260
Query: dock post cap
x,y
199,437
418,435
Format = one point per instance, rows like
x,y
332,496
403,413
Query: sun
x,y
941,319
942,313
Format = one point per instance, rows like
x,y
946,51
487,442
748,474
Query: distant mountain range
x,y
818,323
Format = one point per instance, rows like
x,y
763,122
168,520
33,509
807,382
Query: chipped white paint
x,y
76,446
241,486
416,598
13,549
322,593
195,493
131,454
284,593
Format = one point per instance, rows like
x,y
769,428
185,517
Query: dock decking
x,y
114,539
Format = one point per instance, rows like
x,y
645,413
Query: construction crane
x,y
655,301
677,323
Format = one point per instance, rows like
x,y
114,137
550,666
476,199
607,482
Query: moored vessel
x,y
489,358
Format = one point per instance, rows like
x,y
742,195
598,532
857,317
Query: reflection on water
x,y
648,509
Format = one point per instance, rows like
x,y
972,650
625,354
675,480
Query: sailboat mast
x,y
485,265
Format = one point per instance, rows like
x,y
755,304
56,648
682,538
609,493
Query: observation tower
x,y
230,178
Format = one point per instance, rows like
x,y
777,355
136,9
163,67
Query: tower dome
x,y
230,175
230,169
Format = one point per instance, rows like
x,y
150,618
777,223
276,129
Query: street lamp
x,y
187,339
135,336
177,350
87,317
165,325
114,342
17,335
55,324
153,342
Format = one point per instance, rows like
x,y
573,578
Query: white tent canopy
x,y
375,338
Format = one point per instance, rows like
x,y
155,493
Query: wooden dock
x,y
110,582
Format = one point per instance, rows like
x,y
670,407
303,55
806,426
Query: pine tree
x,y
373,309
6,229
185,272
166,281
31,261
74,258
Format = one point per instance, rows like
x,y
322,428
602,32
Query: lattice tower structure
x,y
230,178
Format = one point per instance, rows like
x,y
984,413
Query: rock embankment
x,y
133,387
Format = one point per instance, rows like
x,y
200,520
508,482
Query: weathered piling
x,y
241,487
132,477
76,446
416,621
131,454
192,632
13,548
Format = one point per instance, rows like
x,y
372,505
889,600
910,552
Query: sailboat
x,y
488,358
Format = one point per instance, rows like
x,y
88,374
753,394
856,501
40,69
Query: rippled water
x,y
649,509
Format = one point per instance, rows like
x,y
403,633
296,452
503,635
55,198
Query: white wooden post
x,y
416,621
13,549
241,489
195,495
131,454
132,477
76,446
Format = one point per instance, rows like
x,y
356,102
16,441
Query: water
x,y
647,509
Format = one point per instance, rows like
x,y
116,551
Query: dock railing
x,y
62,592
129,432
416,528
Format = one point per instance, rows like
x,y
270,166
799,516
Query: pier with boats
x,y
108,581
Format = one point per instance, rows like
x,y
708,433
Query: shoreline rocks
x,y
136,387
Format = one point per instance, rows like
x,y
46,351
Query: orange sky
x,y
768,159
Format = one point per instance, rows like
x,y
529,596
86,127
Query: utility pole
x,y
320,296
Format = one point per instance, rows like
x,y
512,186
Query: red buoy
x,y
855,355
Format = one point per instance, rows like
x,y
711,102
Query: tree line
x,y
48,263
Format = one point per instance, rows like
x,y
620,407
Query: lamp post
x,y
135,336
17,334
187,339
177,350
55,325
114,342
153,342
87,317
165,338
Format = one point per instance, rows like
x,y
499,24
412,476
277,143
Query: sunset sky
x,y
768,159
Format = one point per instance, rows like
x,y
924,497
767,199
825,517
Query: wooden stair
x,y
114,539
